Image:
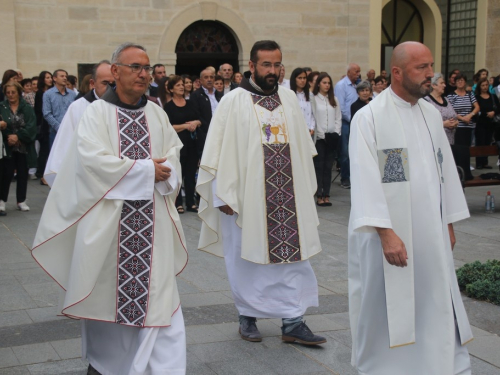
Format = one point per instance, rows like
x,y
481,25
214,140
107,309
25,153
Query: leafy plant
x,y
481,280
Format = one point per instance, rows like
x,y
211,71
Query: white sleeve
x,y
338,118
368,203
137,184
171,184
216,200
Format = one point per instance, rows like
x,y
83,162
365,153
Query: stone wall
x,y
50,34
493,37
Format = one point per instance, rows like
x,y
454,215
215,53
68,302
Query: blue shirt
x,y
55,106
346,94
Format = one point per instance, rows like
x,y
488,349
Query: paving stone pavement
x,y
35,341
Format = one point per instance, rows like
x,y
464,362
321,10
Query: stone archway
x,y
205,11
432,24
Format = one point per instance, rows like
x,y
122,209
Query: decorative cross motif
x,y
440,161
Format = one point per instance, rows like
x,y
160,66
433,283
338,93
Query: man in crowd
x,y
256,200
406,311
370,75
345,91
282,81
226,72
219,84
205,100
101,78
158,74
451,85
56,101
110,234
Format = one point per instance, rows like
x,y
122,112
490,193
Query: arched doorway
x,y
205,43
401,22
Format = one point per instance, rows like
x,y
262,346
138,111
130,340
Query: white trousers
x,y
114,349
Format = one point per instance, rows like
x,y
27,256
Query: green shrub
x,y
481,280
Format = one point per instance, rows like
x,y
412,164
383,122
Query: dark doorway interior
x,y
205,43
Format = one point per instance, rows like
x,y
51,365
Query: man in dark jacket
x,y
205,100
226,72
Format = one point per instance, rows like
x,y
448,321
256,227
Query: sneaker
x,y
249,331
302,334
2,206
23,206
345,184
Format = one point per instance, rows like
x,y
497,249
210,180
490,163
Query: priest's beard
x,y
417,90
266,83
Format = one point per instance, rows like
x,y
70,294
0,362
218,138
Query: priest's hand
x,y
394,248
226,209
453,240
162,173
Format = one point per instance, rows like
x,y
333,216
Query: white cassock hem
x,y
266,290
114,349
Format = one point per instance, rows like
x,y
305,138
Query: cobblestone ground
x,y
35,341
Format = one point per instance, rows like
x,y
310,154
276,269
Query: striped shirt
x,y
463,105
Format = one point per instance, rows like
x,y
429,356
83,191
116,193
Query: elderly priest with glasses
x,y
110,235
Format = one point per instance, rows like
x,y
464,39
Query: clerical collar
x,y
248,84
91,96
399,101
110,96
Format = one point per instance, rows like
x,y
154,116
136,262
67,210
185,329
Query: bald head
x,y
353,71
405,52
411,71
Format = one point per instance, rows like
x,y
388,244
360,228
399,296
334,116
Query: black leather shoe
x,y
92,371
302,334
249,331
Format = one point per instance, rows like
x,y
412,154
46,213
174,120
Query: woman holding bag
x,y
328,117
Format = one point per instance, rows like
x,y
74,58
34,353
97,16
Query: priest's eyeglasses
x,y
136,68
268,65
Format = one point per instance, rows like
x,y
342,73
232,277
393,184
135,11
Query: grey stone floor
x,y
33,340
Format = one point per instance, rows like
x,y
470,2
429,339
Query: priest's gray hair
x,y
436,77
122,47
364,85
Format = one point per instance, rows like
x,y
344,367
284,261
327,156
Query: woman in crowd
x,y
328,117
196,82
84,86
188,86
164,95
237,77
45,82
311,79
28,93
482,73
364,90
19,133
219,84
378,87
465,105
185,119
299,84
9,75
488,108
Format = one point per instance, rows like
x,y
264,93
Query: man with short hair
x,y
406,312
383,73
257,183
451,85
345,91
205,100
158,74
56,102
370,75
101,78
219,84
226,72
110,234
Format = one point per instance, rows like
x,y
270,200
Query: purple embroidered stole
x,y
281,213
136,228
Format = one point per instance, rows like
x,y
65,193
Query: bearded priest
x,y
406,311
257,186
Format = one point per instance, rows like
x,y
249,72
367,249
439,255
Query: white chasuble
x,y
404,320
259,148
109,236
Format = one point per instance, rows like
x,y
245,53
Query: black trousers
x,y
43,155
323,163
484,136
189,163
463,137
16,162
